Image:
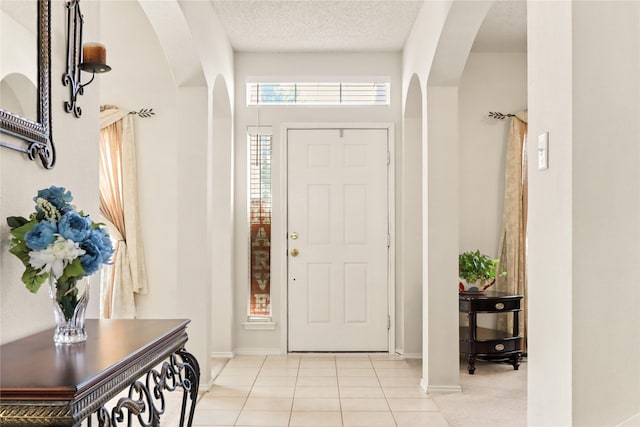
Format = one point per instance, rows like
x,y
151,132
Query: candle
x,y
94,53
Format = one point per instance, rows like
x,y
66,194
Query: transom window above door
x,y
375,93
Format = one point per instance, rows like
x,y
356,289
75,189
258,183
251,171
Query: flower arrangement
x,y
58,242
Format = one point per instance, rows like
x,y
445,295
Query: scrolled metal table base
x,y
145,401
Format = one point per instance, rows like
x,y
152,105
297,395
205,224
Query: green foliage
x,y
477,267
16,221
67,295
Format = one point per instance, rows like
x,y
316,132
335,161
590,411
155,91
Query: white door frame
x,y
283,221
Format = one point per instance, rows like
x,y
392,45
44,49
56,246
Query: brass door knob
x,y
294,252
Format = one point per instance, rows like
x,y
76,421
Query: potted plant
x,y
477,271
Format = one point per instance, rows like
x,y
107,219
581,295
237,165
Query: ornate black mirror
x,y
25,78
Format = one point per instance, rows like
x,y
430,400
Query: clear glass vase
x,y
70,298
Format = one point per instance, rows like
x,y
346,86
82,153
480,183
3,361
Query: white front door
x,y
338,239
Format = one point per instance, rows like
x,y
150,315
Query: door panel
x,y
338,208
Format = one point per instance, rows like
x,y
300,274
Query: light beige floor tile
x,y
263,418
317,363
317,381
412,405
360,404
229,391
356,372
399,381
245,362
361,392
234,380
275,357
315,404
278,372
404,393
220,403
349,363
317,372
317,392
389,364
395,372
420,419
241,370
358,382
281,363
272,391
316,419
214,418
368,419
318,356
275,381
268,404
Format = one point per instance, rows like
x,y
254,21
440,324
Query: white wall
x,y
168,56
436,51
294,66
583,214
76,141
490,82
134,84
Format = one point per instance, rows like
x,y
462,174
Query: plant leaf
x,y
72,270
16,221
19,232
33,280
21,250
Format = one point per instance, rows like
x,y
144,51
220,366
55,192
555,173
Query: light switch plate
x,y
543,151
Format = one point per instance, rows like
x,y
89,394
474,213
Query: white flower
x,y
55,257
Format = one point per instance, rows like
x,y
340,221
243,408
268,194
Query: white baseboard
x,y
258,351
430,389
222,354
411,355
631,422
206,385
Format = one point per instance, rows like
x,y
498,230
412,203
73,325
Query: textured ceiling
x,y
353,25
317,25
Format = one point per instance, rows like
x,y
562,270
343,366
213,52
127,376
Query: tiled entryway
x,y
318,390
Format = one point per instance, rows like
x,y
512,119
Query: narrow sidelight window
x,y
260,224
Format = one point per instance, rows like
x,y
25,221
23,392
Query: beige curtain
x,y
119,205
513,235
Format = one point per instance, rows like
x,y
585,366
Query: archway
x,y
409,228
220,208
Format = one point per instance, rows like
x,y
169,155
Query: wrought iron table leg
x,y
472,364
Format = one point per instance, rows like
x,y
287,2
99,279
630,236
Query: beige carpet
x,y
494,396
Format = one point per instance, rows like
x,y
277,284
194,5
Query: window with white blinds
x,y
362,94
260,224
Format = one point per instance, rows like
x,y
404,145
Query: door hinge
x,y
388,322
388,158
388,240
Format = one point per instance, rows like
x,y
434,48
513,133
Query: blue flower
x,y
92,257
74,226
57,196
41,236
100,238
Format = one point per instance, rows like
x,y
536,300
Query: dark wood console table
x,y
42,383
484,343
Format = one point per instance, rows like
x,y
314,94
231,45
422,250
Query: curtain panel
x,y
513,235
119,206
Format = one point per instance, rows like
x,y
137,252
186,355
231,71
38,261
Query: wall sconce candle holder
x,y
91,58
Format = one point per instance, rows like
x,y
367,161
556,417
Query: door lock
x,y
293,235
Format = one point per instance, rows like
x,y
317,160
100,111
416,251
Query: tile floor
x,y
318,390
